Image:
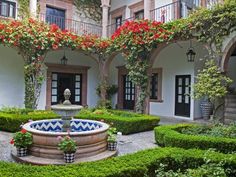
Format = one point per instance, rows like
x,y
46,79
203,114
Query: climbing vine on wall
x,y
23,10
90,9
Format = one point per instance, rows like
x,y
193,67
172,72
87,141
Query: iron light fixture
x,y
191,54
64,59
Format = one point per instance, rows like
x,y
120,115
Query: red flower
x,y
54,28
12,141
23,131
54,46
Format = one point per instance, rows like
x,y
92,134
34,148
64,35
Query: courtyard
x,y
135,89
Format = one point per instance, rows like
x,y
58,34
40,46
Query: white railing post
x,y
33,8
184,10
105,10
147,9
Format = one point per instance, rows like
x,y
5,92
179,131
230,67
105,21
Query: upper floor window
x,y
55,16
139,15
7,9
118,22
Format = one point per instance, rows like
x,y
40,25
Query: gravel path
x,y
5,146
126,143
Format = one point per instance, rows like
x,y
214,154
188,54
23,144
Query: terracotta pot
x,y
21,152
69,157
112,146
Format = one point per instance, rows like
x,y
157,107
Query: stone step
x,y
230,105
229,101
230,115
230,110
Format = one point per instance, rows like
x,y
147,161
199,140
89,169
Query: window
x,y
118,22
139,15
156,85
7,9
55,16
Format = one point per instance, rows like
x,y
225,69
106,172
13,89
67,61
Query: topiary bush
x,y
12,118
140,164
170,135
124,121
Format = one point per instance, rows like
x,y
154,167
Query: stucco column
x,y
105,10
33,8
147,9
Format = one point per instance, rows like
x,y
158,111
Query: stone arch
x,y
227,52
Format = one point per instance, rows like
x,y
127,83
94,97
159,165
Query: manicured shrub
x,y
170,136
140,164
11,122
124,121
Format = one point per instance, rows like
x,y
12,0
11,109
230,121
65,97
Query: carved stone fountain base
x,y
46,161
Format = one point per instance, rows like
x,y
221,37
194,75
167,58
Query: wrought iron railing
x,y
168,12
74,26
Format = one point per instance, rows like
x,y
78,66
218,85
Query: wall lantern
x,y
64,59
191,53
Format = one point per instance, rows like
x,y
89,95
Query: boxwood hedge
x,y
11,122
169,135
125,122
139,164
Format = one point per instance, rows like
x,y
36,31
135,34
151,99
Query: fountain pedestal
x,y
66,110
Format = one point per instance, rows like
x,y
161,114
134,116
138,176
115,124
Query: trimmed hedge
x,y
170,136
124,121
12,122
139,164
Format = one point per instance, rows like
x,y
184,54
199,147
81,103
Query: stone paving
x,y
126,143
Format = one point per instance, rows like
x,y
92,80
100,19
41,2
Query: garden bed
x,y
11,119
179,136
125,122
138,164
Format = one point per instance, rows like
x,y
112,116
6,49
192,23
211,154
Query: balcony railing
x,y
168,12
77,27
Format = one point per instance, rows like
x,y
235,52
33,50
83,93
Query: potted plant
x,y
112,139
69,147
211,85
22,140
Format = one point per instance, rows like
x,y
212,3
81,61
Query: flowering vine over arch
x,y
33,39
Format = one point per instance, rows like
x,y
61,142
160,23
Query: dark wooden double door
x,y
128,93
182,95
62,81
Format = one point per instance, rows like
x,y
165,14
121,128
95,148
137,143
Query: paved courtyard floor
x,y
126,143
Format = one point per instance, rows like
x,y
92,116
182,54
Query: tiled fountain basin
x,y
91,137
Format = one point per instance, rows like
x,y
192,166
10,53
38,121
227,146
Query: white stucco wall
x,y
11,78
173,61
75,58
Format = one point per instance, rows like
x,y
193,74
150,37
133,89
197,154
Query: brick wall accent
x,y
66,5
136,7
117,13
83,70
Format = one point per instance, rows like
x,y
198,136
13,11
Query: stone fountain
x,y
66,110
90,137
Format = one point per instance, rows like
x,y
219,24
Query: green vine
x,y
23,10
90,9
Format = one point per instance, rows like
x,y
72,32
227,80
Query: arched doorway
x,y
228,65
